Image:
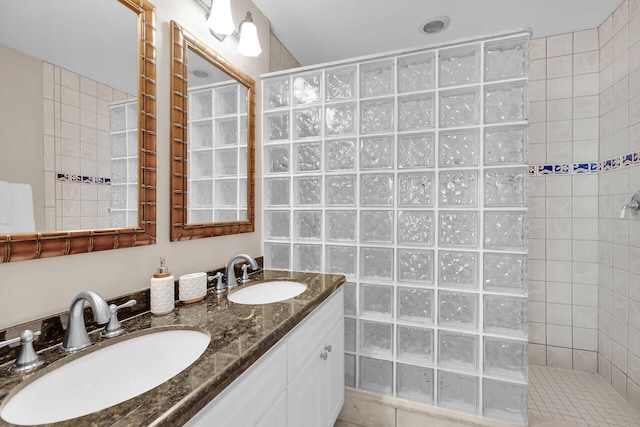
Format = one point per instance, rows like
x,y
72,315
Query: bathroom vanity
x,y
265,363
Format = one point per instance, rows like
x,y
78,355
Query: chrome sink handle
x,y
219,287
113,328
245,274
27,359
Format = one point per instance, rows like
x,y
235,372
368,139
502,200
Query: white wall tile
x,y
560,45
584,41
558,357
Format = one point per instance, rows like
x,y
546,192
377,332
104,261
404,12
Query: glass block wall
x,y
217,174
406,173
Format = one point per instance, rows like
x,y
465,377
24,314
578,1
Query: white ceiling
x,y
318,31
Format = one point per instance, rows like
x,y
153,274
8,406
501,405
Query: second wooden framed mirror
x,y
212,142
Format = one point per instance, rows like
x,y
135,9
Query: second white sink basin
x,y
106,377
267,292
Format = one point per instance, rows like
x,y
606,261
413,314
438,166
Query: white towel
x,y
16,209
6,211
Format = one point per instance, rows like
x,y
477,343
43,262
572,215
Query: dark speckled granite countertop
x,y
240,334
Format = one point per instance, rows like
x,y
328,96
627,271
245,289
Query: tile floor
x,y
580,398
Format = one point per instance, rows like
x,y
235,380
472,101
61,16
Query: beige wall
x,y
33,289
21,154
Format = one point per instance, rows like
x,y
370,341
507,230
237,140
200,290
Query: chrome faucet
x,y
76,336
230,272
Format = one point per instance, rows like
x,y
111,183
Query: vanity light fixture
x,y
221,25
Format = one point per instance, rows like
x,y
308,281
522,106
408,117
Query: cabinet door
x,y
334,373
306,401
276,416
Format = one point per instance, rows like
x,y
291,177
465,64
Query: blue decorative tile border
x,y
587,167
68,177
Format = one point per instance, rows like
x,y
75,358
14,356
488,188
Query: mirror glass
x,y
213,115
72,81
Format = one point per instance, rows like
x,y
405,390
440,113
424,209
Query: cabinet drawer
x,y
308,337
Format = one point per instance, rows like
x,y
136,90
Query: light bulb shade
x,y
220,20
249,45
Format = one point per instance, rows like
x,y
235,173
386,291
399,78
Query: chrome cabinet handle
x,y
324,356
328,348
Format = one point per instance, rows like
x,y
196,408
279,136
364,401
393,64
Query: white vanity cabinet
x,y
298,383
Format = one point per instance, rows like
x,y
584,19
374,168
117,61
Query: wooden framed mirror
x,y
75,134
212,142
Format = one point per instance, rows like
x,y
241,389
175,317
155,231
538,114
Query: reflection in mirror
x,y
74,75
213,142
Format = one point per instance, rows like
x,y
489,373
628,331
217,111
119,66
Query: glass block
x,y
226,162
341,226
308,190
415,189
505,230
505,145
276,126
458,269
458,309
415,265
226,100
200,215
117,118
416,151
458,188
415,305
505,315
376,263
225,215
376,190
350,334
340,119
376,78
341,155
415,228
308,156
200,104
226,132
307,257
459,107
306,88
376,152
505,102
307,123
505,272
505,401
226,193
277,224
243,96
415,344
414,383
505,358
350,299
276,159
376,116
376,227
459,228
416,112
341,190
200,166
341,260
340,83
276,93
201,195
458,391
505,59
277,255
376,375
308,224
458,148
350,370
242,135
200,135
459,65
416,72
376,301
376,338
458,350
505,187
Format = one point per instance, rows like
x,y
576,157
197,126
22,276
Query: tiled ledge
x,y
614,163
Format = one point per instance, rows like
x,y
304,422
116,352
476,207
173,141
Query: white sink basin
x,y
267,292
106,377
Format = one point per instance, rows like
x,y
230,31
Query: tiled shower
x,y
407,172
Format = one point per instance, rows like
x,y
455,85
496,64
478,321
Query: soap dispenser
x,y
162,290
